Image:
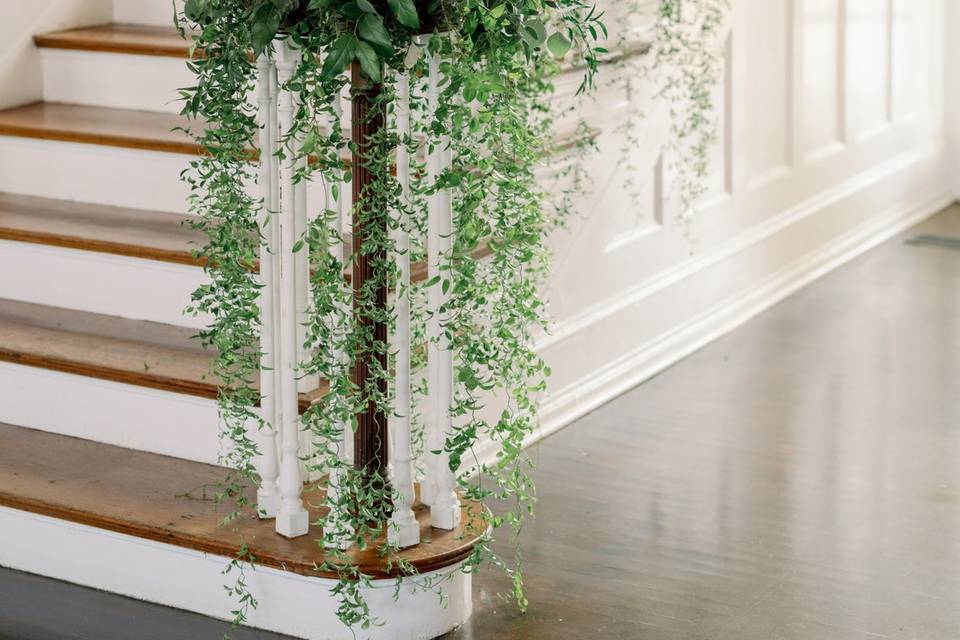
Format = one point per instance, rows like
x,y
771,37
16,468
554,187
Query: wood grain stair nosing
x,y
100,246
59,134
104,372
139,353
130,42
60,477
145,379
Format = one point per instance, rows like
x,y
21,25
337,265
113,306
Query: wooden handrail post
x,y
368,119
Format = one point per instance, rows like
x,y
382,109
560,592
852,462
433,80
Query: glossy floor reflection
x,y
797,479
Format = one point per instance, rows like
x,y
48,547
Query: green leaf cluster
x,y
496,61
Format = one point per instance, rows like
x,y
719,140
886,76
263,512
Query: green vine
x,y
497,60
684,68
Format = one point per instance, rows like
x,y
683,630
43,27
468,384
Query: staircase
x,y
108,418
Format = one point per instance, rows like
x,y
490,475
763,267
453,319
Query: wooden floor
x,y
796,479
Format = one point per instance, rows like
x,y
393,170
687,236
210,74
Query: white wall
x,y
832,139
156,12
20,77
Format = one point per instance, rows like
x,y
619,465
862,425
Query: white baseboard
x,y
177,577
648,359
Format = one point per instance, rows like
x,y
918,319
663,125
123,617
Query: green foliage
x,y
374,32
496,59
686,49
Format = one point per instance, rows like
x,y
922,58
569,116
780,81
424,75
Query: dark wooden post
x,y
370,438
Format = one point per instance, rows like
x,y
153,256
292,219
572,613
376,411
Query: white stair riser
x,y
107,175
99,283
111,412
288,603
122,81
93,173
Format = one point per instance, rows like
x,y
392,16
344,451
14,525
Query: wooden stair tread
x,y
137,352
125,128
170,500
119,38
152,235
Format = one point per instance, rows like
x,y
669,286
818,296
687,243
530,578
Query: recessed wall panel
x,y
821,93
868,66
768,30
912,39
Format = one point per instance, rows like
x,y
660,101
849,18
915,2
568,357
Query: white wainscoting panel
x,y
831,140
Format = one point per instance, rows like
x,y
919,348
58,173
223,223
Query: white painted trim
x,y
177,577
646,360
94,173
741,242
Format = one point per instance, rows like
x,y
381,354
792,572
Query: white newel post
x,y
292,518
268,497
444,503
404,530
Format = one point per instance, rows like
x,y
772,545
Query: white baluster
x,y
275,220
346,213
292,518
444,504
428,485
268,497
404,530
307,382
341,252
345,223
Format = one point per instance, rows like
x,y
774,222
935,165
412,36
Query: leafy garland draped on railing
x,y
497,61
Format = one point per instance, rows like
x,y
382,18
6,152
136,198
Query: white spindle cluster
x,y
284,308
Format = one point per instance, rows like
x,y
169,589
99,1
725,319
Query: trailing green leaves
x,y
496,59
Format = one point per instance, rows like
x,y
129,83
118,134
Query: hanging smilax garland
x,y
496,58
496,62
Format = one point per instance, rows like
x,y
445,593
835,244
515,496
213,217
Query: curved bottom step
x,y
289,603
146,526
